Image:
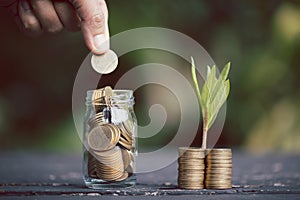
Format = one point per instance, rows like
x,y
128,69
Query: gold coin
x,y
126,158
219,187
191,168
123,177
95,121
125,144
111,160
198,183
131,156
218,150
210,165
106,154
218,181
101,98
219,169
190,182
116,131
198,167
128,126
191,179
91,166
219,161
102,93
99,115
102,138
191,150
126,135
218,157
191,163
112,168
215,158
190,158
130,168
191,173
217,176
190,187
191,155
218,172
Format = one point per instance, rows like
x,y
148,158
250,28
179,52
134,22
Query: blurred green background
x,y
260,38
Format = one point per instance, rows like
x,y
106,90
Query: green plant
x,y
212,96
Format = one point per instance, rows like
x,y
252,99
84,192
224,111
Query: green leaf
x,y
211,77
213,94
194,76
225,71
217,103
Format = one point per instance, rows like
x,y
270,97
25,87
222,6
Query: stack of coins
x,y
110,145
218,170
191,168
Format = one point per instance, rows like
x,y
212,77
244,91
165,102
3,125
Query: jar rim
x,y
119,96
119,90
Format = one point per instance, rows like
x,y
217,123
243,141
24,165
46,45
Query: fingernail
x,y
101,44
25,5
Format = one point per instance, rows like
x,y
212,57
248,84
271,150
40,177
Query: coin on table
x,y
105,63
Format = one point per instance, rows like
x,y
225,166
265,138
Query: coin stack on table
x,y
110,156
218,170
191,168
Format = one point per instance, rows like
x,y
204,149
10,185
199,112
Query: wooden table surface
x,y
34,175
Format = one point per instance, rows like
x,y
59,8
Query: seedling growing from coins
x,y
212,96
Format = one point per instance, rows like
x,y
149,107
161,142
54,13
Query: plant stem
x,y
204,136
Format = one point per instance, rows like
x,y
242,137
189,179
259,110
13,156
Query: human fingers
x,y
94,24
29,23
67,15
45,12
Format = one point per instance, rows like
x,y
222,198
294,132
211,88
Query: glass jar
x,y
109,139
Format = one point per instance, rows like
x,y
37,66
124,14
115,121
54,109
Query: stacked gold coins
x,y
110,156
218,170
191,168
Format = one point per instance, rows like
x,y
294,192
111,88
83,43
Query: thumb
x,y
94,24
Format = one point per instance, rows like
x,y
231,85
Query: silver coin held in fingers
x,y
105,63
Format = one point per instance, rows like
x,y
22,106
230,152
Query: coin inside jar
x,y
105,63
102,138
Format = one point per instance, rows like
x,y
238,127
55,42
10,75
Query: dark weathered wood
x,y
36,175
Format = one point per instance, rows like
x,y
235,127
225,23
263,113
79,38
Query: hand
x,y
35,17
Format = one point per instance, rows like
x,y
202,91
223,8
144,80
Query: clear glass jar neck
x,y
118,97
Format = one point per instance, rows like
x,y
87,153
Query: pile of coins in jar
x,y
110,144
197,170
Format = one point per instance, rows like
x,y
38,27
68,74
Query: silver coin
x,y
105,63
